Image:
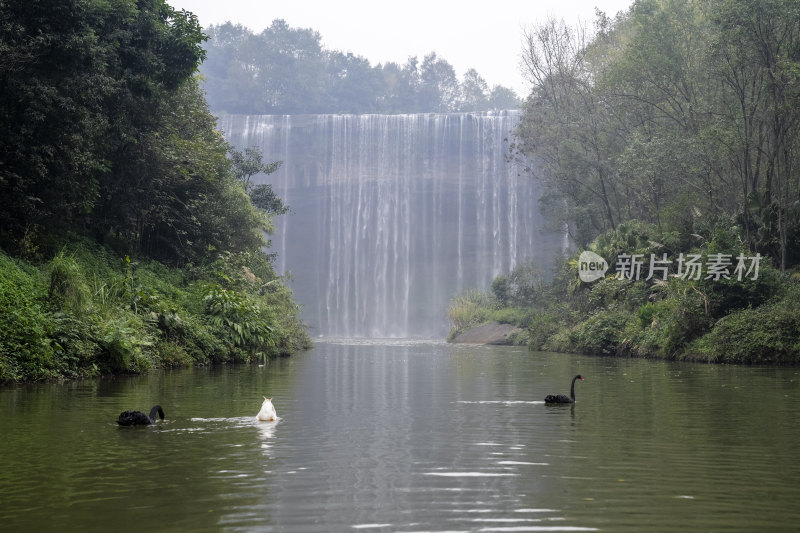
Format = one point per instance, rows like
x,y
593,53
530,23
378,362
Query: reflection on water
x,y
408,436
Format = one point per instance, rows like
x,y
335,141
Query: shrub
x,y
609,292
602,333
245,323
542,327
75,344
663,328
173,354
201,344
522,287
728,295
25,350
469,309
561,341
516,316
766,334
127,343
289,333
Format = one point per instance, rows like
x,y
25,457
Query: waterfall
x,y
393,215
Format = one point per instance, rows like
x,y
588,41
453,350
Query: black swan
x,y
138,418
560,398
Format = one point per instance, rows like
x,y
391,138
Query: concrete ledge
x,y
491,333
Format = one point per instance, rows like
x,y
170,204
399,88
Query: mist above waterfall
x,y
393,215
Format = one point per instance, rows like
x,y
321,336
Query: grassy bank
x,y
755,320
88,311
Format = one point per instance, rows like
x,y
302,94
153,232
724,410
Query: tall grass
x,y
68,289
470,309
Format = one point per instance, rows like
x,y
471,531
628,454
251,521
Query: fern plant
x,y
245,322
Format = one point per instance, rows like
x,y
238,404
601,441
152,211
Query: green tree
x,y
503,98
78,94
246,165
54,81
194,203
566,128
229,70
756,54
474,92
352,84
290,64
399,85
438,85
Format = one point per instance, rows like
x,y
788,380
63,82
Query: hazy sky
x,y
483,35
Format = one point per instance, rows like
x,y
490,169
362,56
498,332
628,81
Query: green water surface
x,y
409,436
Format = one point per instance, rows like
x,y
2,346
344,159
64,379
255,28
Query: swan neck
x,y
572,388
156,410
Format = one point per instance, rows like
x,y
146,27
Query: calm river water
x,y
408,436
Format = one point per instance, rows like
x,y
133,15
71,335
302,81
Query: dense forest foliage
x,y
284,70
112,175
672,129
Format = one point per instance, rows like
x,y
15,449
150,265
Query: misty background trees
x,y
285,70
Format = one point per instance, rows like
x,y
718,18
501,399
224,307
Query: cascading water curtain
x,y
393,215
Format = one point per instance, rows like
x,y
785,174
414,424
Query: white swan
x,y
267,412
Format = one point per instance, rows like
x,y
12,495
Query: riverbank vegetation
x,y
88,311
711,320
129,238
672,129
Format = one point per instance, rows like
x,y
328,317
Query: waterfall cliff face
x,y
393,215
